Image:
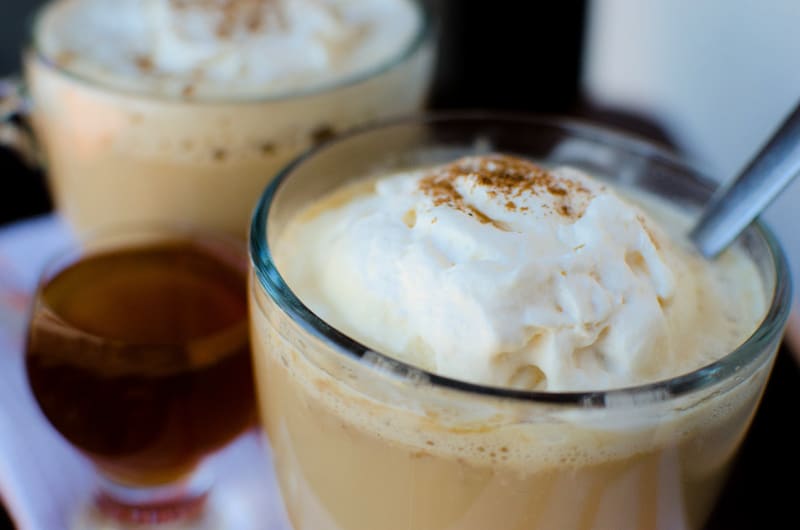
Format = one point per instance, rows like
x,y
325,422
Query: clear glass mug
x,y
361,441
115,157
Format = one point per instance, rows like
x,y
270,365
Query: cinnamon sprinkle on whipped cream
x,y
505,178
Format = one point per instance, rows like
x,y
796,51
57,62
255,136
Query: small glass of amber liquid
x,y
138,354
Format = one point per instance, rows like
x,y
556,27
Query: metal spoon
x,y
734,206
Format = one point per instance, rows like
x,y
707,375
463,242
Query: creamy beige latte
x,y
497,272
165,110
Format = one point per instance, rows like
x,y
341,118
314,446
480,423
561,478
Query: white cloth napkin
x,y
43,480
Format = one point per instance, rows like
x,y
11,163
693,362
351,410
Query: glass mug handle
x,y
14,108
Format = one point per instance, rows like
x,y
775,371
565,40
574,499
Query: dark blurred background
x,y
521,56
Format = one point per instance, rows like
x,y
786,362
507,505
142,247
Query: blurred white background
x,y
718,75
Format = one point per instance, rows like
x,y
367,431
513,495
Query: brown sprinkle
x,y
65,57
144,63
321,134
649,232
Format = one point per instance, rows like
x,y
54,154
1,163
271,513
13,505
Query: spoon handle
x,y
734,206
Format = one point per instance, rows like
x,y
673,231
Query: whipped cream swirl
x,y
495,270
225,47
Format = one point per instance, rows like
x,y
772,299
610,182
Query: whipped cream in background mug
x,y
210,48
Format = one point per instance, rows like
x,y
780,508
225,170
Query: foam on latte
x,y
225,47
497,271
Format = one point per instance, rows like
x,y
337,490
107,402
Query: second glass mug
x,y
116,157
361,441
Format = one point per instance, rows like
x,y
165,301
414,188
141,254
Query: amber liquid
x,y
140,358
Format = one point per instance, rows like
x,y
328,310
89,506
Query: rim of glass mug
x,y
425,33
745,355
219,246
